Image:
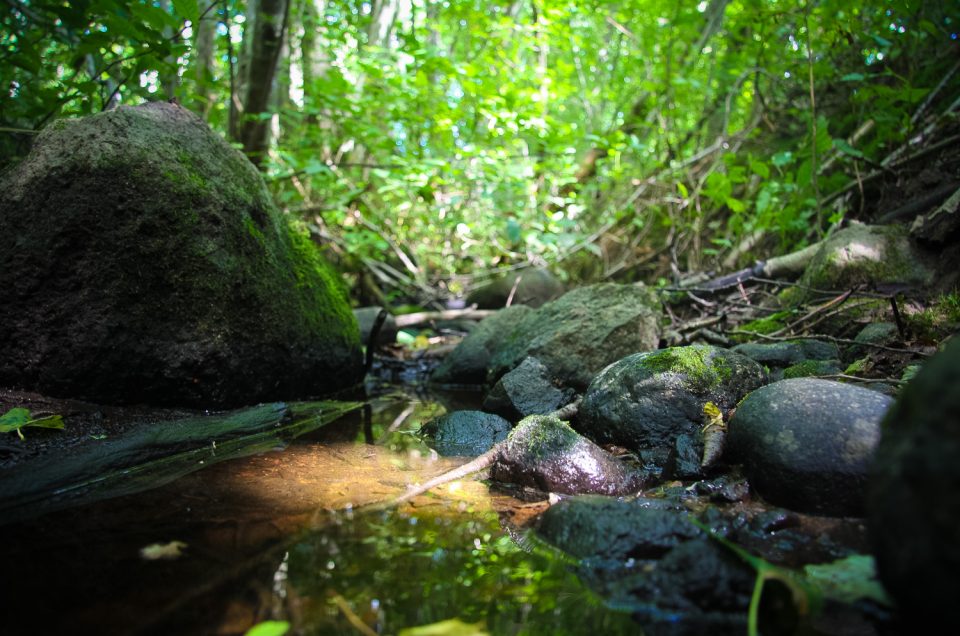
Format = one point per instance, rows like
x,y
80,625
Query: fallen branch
x,y
764,336
470,313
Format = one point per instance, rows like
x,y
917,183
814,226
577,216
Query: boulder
x,y
142,259
913,500
547,454
466,433
578,334
469,362
873,255
527,390
806,443
647,400
536,287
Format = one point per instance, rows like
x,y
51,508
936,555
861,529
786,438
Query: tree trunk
x,y
204,44
263,39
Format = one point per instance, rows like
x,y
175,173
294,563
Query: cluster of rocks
x,y
803,443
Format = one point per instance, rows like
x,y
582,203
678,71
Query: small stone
x,y
806,443
547,454
526,390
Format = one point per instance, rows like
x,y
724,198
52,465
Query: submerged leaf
x,y
848,580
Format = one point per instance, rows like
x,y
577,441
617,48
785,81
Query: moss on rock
x,y
142,260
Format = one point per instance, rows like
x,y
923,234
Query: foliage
x,y
427,140
269,628
19,418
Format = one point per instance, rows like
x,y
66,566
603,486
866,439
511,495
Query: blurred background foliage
x,y
427,144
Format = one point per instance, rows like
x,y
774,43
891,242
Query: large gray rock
x,y
468,363
578,334
536,287
914,492
547,454
466,433
527,390
143,260
806,443
867,255
647,400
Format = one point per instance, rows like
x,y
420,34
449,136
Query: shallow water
x,y
278,536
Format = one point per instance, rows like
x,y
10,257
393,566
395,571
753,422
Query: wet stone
x,y
545,453
806,443
466,433
526,390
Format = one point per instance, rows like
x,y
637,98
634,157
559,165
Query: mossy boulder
x,y
647,400
913,493
468,363
871,255
578,334
535,287
545,453
143,260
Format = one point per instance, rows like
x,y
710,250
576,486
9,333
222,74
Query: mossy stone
x,y
580,333
646,400
142,259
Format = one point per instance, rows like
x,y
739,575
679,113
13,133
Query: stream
x,y
278,536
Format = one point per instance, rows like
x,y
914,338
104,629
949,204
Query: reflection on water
x,y
277,536
407,569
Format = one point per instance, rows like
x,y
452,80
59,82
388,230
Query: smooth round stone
x,y
806,444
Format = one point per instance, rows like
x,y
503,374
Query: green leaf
x,y
853,77
188,9
848,580
14,419
19,418
847,149
269,628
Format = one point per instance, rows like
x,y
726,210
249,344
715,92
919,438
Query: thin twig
x,y
764,336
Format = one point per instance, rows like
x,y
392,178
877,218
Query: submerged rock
x,y
578,334
142,260
648,400
608,529
914,492
547,454
653,560
466,433
468,363
527,390
806,443
536,287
